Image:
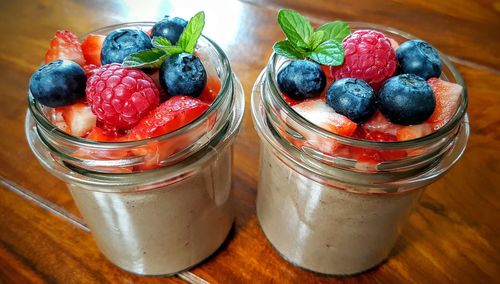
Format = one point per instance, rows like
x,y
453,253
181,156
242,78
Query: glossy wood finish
x,y
452,237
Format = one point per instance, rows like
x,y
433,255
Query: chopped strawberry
x,y
317,112
102,135
169,116
374,135
325,117
447,97
211,90
89,69
78,117
378,123
91,48
291,102
65,45
413,131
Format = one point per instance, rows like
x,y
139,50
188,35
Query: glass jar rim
x,y
428,139
226,83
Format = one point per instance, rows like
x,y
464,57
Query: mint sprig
x,y
163,48
323,45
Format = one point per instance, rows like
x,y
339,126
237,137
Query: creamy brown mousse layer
x,y
326,229
165,230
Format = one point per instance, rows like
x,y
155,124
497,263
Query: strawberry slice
x,y
91,48
169,116
173,114
447,97
78,118
89,69
317,112
211,90
65,45
414,131
379,124
322,115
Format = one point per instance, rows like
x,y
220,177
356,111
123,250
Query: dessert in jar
x,y
138,119
355,120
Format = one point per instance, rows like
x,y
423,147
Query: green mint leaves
x,y
190,35
323,45
163,48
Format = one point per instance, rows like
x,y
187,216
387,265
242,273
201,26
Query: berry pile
x,y
128,85
382,91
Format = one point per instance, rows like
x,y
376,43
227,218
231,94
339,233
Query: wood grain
x,y
452,237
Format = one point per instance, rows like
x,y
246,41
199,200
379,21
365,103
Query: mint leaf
x,y
296,27
336,31
286,49
160,42
316,39
152,58
189,37
329,53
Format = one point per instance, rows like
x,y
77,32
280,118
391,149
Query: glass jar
x,y
330,213
160,205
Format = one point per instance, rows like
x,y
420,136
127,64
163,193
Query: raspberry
x,y
368,56
120,97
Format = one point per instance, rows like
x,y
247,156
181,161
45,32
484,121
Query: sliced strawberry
x,y
89,69
414,131
317,112
325,117
101,135
169,116
447,97
65,45
78,118
91,48
211,90
378,123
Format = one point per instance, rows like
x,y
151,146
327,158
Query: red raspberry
x,y
120,97
368,56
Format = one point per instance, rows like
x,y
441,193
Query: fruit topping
x,y
123,42
301,79
65,45
447,96
169,116
368,56
406,99
58,83
121,97
91,48
78,117
89,69
419,58
170,28
183,75
317,112
353,98
413,131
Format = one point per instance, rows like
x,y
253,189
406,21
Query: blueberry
x,y
302,79
419,58
169,28
58,83
406,99
183,75
123,42
353,98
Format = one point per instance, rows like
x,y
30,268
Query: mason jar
x,y
155,206
325,211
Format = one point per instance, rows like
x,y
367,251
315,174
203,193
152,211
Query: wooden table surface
x,y
453,236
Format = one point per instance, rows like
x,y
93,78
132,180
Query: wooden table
x,y
454,235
